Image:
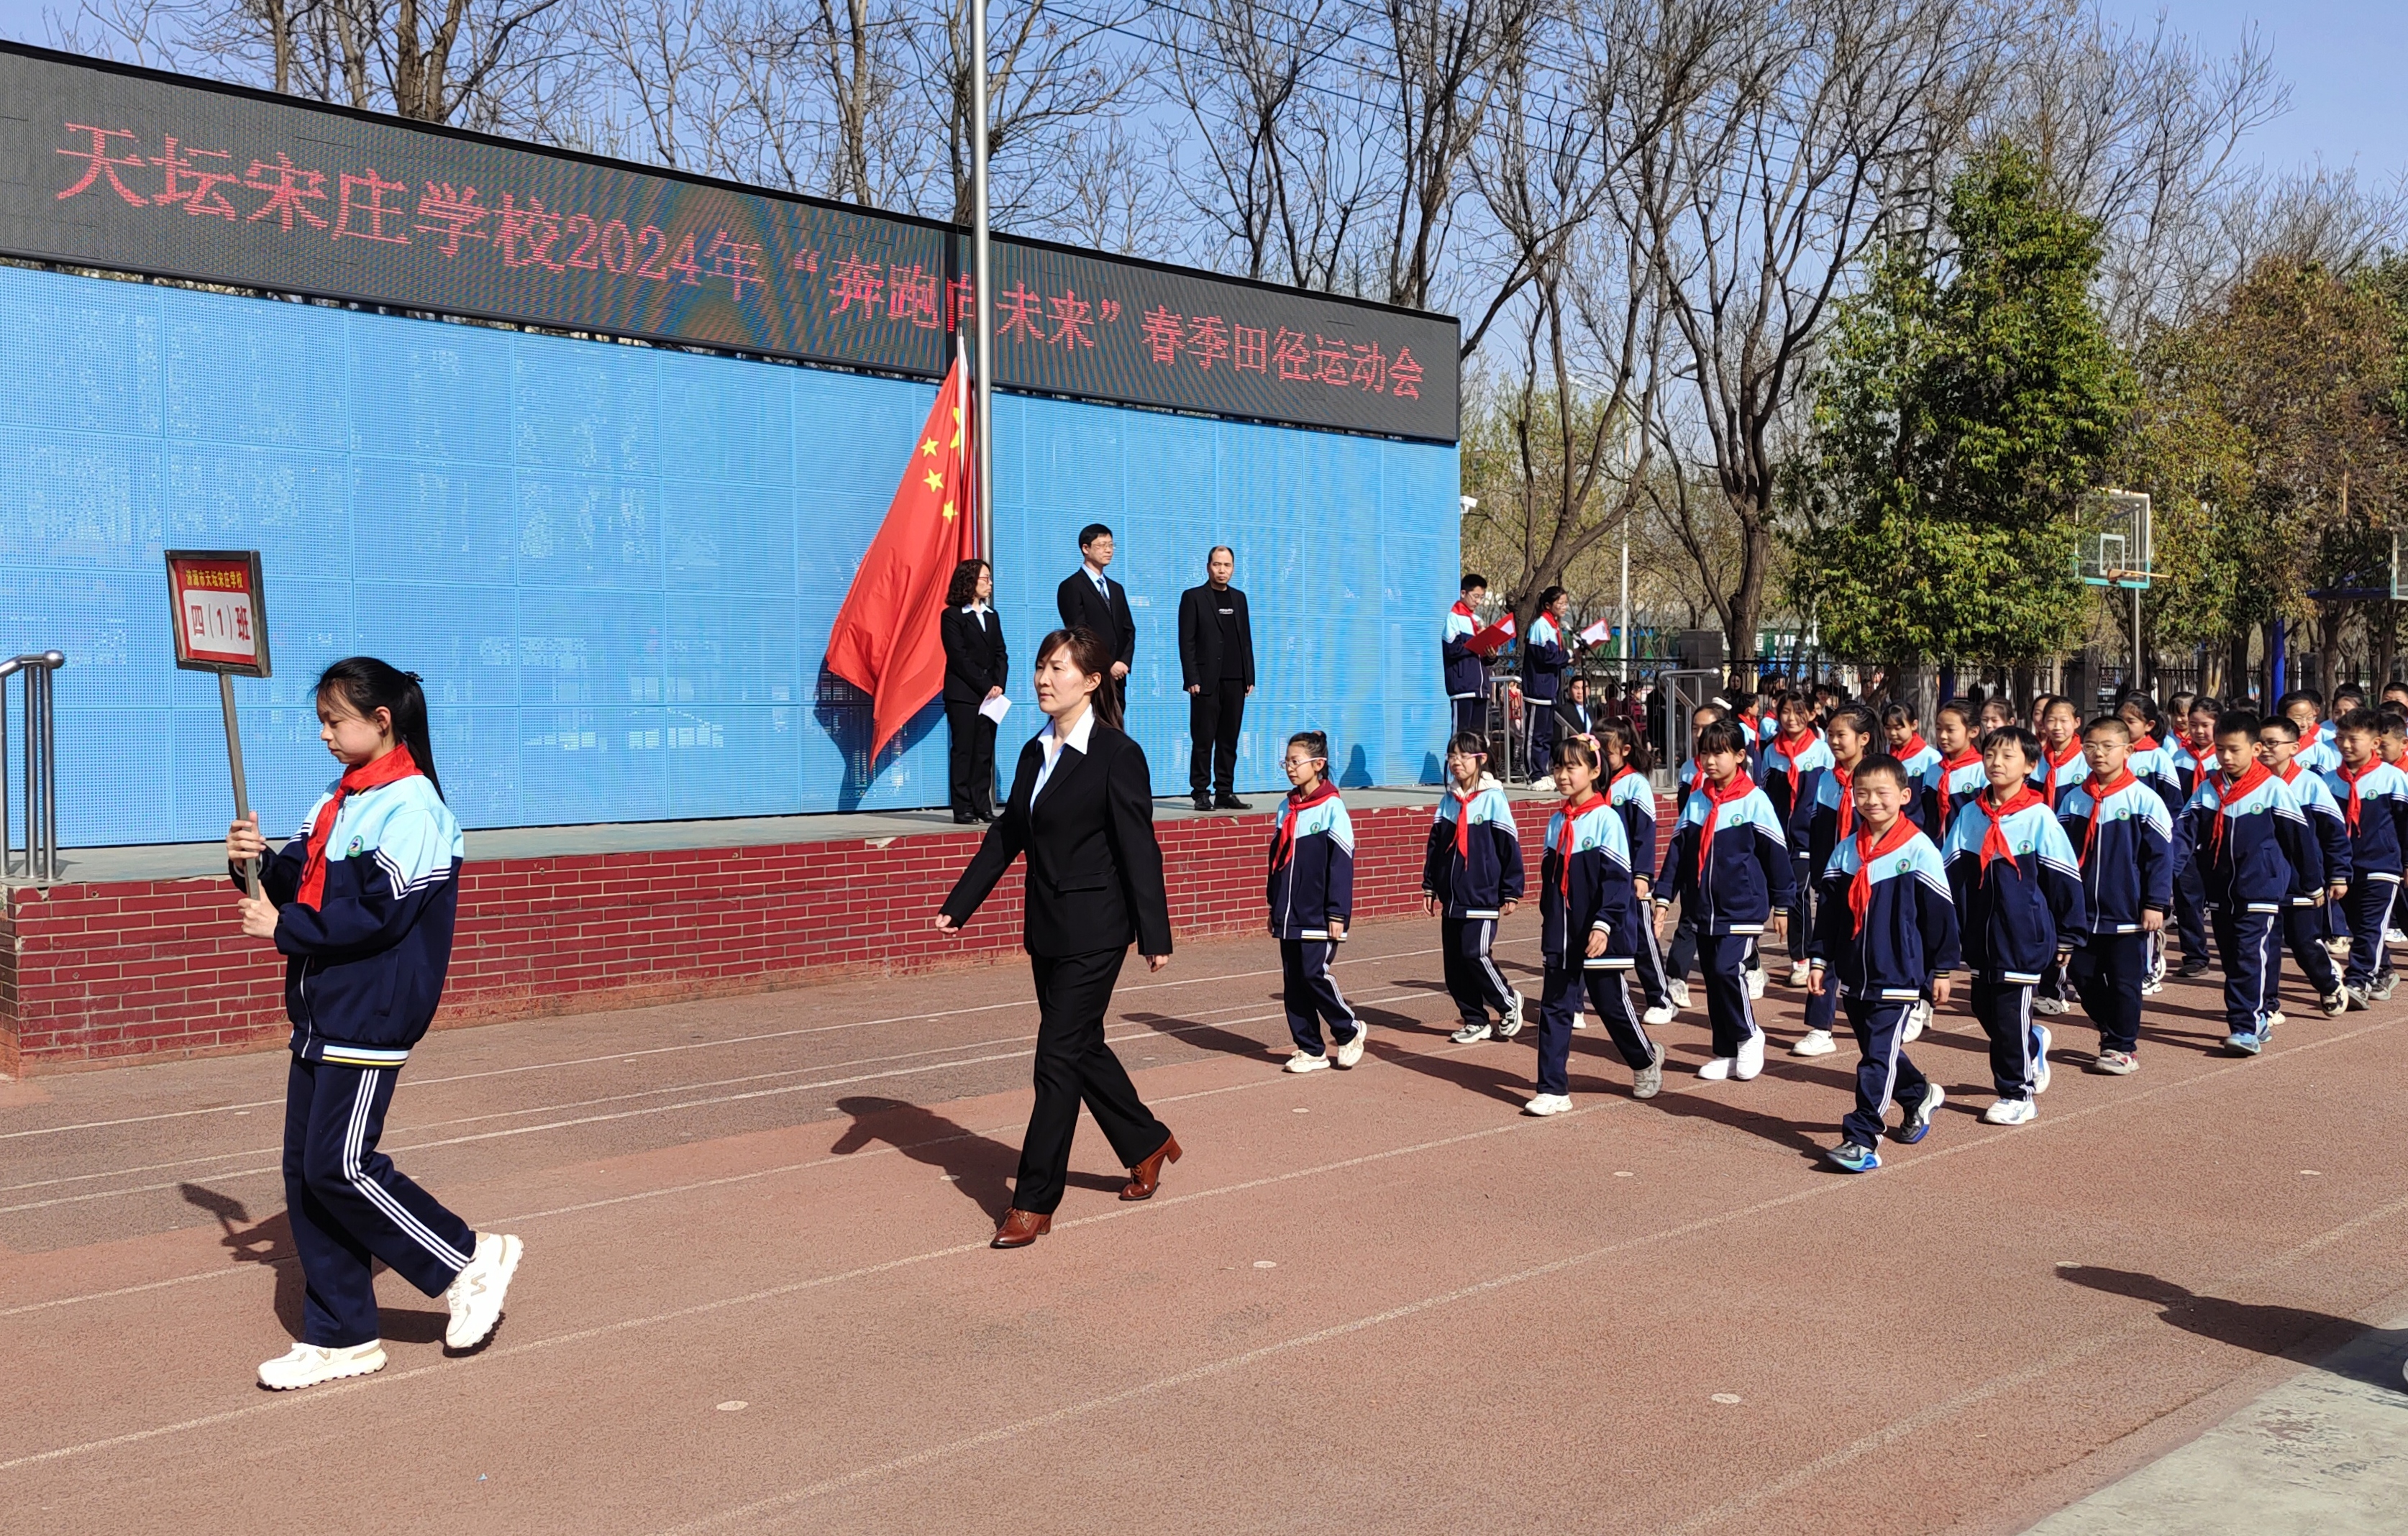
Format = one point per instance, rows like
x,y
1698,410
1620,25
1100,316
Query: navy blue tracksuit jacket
x,y
1311,880
2014,912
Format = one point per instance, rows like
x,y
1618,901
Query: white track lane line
x,y
711,1044
1819,1189
1142,1032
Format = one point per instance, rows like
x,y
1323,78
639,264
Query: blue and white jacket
x,y
2126,856
1633,798
2318,754
363,969
1466,676
1944,789
2014,916
1919,765
1311,866
1745,872
1812,762
2325,819
1544,661
1822,818
1910,932
2377,841
1488,873
2154,766
2067,775
2260,856
1585,887
2189,768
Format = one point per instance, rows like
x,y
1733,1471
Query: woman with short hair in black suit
x,y
1082,809
976,663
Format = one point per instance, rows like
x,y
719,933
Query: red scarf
x,y
2232,790
1740,788
2145,743
2073,750
2352,808
2099,794
1754,737
1284,838
1868,852
1948,767
1790,747
1463,822
1573,813
1915,747
1994,837
392,768
1465,609
1846,779
2201,762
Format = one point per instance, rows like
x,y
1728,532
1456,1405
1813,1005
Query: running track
x,y
1376,1300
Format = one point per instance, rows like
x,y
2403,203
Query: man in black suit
x,y
1093,601
1574,715
1216,659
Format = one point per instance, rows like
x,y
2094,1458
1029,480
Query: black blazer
x,y
1095,872
1200,662
1571,715
975,657
1084,608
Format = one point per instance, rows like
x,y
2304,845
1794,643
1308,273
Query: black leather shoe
x,y
1230,802
1203,802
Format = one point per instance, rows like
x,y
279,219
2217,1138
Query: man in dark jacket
x,y
1216,660
1093,601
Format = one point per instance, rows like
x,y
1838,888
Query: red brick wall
x,y
107,972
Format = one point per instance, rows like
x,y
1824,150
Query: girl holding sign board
x,y
362,903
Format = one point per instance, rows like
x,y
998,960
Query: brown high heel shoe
x,y
1020,1229
1146,1177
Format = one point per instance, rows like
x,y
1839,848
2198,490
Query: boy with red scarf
x,y
2019,908
2245,833
1466,674
362,902
1728,863
2192,756
2061,766
1887,934
1312,895
1830,822
2125,837
1794,763
2306,925
2374,797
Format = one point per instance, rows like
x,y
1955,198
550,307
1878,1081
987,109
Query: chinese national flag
x,y
885,641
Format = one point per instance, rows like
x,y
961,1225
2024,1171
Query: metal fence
x,y
41,801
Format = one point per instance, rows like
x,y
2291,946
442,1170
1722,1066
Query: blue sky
x,y
2343,59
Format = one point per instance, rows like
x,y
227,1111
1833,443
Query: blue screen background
x,y
616,566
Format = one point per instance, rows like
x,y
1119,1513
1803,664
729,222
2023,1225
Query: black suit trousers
x,y
973,758
1214,718
1075,1066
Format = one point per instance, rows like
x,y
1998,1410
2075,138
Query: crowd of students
x,y
2055,862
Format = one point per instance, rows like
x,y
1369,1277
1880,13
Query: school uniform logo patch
x,y
354,852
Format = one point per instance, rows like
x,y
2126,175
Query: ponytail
x,y
365,685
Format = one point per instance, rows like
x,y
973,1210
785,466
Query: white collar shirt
x,y
1052,745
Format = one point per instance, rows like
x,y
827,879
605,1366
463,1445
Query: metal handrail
x,y
41,769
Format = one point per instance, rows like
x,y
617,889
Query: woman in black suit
x,y
1082,809
975,665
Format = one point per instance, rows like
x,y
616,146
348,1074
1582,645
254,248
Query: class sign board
x,y
220,612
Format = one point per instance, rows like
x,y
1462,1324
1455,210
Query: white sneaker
x,y
476,1292
1918,1013
1548,1103
1305,1061
2040,1061
1510,1025
2154,985
2337,948
1473,1029
1680,991
1352,1052
2048,1007
306,1364
1754,982
1648,1081
2011,1112
1816,1042
1716,1069
2334,1006
1657,1016
2268,1024
1750,1060
1798,972
1580,1020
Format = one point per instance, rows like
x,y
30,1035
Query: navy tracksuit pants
x,y
1883,1072
2304,930
2005,1009
2253,964
2107,972
1471,714
1607,991
1539,717
1729,1013
2369,906
1801,912
348,1205
2190,913
1311,993
1472,979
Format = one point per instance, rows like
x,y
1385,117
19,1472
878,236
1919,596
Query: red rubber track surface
x,y
1379,1300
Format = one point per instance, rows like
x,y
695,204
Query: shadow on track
x,y
2342,1346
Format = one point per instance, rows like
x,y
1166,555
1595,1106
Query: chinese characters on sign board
x,y
220,620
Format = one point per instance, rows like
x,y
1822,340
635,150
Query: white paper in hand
x,y
996,709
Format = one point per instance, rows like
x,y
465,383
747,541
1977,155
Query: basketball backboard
x,y
2112,540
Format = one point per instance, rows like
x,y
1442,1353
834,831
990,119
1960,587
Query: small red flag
x,y
885,641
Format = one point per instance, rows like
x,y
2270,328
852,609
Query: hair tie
x,y
413,677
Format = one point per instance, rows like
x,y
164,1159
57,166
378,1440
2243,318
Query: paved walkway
x,y
757,1295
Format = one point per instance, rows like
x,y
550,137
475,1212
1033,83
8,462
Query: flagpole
x,y
983,278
